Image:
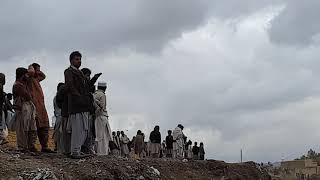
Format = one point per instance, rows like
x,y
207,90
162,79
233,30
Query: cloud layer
x,y
238,75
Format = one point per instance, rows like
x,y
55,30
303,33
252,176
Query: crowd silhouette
x,y
81,126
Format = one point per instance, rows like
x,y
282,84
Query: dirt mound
x,y
16,165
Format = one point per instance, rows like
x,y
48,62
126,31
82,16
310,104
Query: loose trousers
x,y
79,131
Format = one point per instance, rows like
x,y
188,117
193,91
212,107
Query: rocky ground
x,y
16,165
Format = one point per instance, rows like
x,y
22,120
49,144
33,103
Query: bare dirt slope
x,y
14,165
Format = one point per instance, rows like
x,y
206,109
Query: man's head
x,y
2,79
122,133
169,132
195,143
102,86
118,133
139,132
9,96
36,66
59,86
21,73
157,128
86,72
180,126
113,133
201,144
75,59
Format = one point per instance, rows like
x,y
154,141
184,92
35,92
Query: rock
x,y
16,156
155,171
39,174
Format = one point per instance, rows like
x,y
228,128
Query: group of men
x,y
120,145
6,108
175,145
30,119
82,126
81,119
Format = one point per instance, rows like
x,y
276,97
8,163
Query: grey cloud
x,y
105,26
236,9
297,24
230,89
96,27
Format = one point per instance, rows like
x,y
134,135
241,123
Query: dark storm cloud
x,y
96,26
100,26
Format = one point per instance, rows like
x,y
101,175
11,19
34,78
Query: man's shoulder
x,y
17,84
68,69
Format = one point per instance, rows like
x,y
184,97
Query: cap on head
x,y
102,84
180,126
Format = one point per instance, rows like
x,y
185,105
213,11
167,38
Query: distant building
x,y
302,169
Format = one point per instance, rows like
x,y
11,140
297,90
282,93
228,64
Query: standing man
x,y
88,148
124,140
80,103
195,151
8,109
201,151
25,125
178,142
57,134
87,73
138,145
187,149
8,103
102,126
62,102
42,120
155,139
3,139
118,141
115,145
169,144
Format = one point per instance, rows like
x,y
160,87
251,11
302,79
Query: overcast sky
x,y
236,74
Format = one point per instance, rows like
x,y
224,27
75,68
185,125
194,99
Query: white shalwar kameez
x,y
178,143
102,126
